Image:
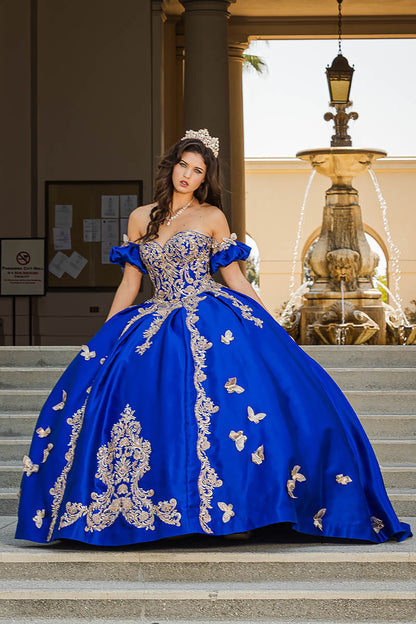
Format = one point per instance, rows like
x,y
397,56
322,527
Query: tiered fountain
x,y
342,306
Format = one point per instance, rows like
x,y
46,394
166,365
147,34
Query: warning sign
x,y
22,266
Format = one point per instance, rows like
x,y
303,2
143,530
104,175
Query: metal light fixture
x,y
339,77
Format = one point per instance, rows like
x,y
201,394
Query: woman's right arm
x,y
127,291
129,287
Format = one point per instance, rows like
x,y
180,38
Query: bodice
x,y
183,266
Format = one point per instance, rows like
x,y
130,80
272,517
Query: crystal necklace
x,y
170,219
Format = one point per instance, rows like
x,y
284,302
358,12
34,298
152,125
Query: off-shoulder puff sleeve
x,y
226,251
127,253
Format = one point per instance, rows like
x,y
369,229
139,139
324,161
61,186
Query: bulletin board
x,y
83,221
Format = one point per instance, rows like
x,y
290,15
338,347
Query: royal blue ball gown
x,y
195,412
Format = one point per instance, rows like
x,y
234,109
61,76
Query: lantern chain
x,y
339,26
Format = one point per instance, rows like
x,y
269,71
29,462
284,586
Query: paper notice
x,y
57,266
105,252
92,230
61,238
109,206
75,263
109,231
127,204
124,224
63,215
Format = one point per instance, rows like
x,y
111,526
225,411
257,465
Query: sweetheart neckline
x,y
173,236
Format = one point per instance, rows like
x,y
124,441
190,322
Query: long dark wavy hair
x,y
209,191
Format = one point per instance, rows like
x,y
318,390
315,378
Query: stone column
x,y
158,20
206,94
238,203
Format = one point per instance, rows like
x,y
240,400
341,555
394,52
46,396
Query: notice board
x,y
83,221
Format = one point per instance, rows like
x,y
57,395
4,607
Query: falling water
x,y
398,308
298,235
342,302
394,251
294,300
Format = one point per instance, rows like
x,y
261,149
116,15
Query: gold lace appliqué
x,y
38,518
28,466
43,433
343,479
46,452
232,386
228,511
377,524
296,476
86,353
58,489
204,407
61,405
258,456
121,465
317,519
227,337
239,438
253,417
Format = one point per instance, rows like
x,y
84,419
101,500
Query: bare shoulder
x,y
138,221
218,222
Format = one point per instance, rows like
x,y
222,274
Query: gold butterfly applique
x,y
46,452
343,479
61,405
38,518
377,524
256,418
28,466
43,433
86,353
239,439
258,456
317,519
296,476
228,511
227,337
231,386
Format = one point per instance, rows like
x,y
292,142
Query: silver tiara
x,y
204,136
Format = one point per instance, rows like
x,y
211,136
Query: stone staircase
x,y
201,579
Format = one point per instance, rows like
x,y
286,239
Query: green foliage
x,y
252,273
254,62
383,279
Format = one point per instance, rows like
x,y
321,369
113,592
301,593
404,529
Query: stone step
x,y
28,377
16,424
162,620
377,425
360,378
351,356
402,499
351,599
395,475
328,356
19,400
37,356
382,401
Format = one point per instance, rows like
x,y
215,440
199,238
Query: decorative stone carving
x,y
342,323
343,264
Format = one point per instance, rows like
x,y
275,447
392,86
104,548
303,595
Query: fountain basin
x,y
341,164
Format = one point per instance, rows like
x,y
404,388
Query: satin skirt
x,y
207,419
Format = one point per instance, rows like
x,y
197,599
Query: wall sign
x,y
22,267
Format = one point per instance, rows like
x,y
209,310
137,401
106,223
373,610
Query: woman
x,y
195,412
